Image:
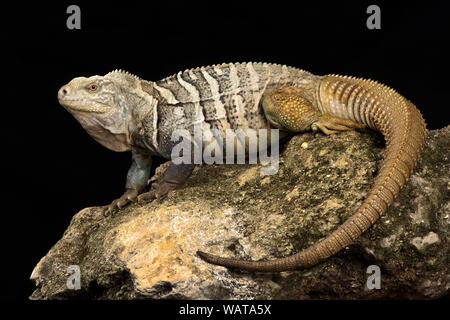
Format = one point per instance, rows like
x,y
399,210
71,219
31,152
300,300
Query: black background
x,y
54,168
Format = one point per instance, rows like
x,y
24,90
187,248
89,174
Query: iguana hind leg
x,y
331,125
289,109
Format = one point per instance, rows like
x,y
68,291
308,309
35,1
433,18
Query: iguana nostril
x,y
62,92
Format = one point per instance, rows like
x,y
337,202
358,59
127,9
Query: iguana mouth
x,y
78,104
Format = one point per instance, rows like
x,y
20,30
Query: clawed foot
x,y
331,125
129,196
132,195
158,193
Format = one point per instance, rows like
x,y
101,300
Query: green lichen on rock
x,y
148,251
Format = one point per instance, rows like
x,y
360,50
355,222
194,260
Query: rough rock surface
x,y
148,251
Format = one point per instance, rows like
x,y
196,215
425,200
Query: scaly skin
x,y
126,113
343,103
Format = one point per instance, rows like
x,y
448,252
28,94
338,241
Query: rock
x,y
148,251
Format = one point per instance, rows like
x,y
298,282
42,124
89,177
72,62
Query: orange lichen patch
x,y
152,252
159,245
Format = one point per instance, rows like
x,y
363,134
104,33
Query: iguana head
x,y
103,105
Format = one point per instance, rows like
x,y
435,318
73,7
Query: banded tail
x,y
380,108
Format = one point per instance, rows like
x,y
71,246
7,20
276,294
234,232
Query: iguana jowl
x,y
124,112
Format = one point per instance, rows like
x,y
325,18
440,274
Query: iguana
x,y
124,112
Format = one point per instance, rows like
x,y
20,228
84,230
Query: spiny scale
x,y
221,65
120,71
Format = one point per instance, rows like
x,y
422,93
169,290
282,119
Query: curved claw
x,y
129,196
161,191
146,196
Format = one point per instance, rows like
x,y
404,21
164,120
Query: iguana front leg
x,y
137,178
174,176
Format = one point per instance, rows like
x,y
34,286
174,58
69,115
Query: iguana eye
x,y
92,87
